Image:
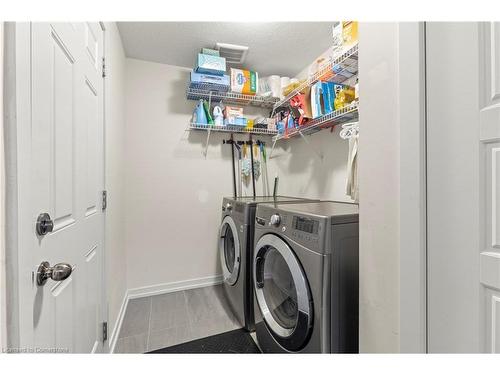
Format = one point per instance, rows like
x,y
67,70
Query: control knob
x,y
275,220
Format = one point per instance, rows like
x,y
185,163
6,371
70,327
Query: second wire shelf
x,y
231,129
338,117
230,97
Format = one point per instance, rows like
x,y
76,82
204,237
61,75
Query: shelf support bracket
x,y
206,145
304,138
208,131
272,148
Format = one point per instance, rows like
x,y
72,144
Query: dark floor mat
x,y
237,341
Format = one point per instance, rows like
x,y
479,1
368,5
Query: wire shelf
x,y
338,70
231,129
207,92
338,117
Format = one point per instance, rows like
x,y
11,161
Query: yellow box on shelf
x,y
349,33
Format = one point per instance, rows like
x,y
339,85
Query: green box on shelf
x,y
209,64
209,51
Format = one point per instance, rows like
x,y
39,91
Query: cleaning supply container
x,y
199,115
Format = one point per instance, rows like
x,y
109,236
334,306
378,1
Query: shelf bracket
x,y
206,145
208,131
304,138
272,148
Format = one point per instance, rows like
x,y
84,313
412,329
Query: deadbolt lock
x,y
44,224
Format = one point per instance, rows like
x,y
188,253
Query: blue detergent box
x,y
236,121
214,82
210,64
328,96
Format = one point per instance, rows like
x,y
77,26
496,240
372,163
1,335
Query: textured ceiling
x,y
282,48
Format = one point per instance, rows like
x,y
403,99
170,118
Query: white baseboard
x,y
113,338
175,286
154,290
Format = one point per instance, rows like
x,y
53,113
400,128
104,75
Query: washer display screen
x,y
305,225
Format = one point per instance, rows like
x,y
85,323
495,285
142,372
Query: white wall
x,y
173,193
379,187
457,319
304,174
115,173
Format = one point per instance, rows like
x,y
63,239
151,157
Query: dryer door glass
x,y
282,292
229,248
279,289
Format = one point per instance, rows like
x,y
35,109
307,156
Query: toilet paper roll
x,y
275,84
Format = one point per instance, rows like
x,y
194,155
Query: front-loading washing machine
x,y
236,236
305,275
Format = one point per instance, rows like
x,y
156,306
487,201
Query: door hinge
x,y
104,331
104,200
103,67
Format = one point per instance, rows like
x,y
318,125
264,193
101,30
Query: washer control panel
x,y
307,230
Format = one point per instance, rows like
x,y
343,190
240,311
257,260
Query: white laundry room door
x,y
463,163
61,308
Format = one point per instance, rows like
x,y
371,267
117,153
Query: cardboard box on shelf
x,y
209,51
209,64
244,81
220,83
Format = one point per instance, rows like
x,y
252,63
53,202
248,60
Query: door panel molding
x,y
495,323
489,137
494,61
495,197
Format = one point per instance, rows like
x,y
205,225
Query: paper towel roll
x,y
275,84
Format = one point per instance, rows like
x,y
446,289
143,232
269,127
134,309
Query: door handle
x,y
44,224
59,272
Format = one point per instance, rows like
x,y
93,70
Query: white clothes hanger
x,y
349,130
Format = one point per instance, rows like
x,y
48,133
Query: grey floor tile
x,y
205,304
168,311
174,318
169,337
132,344
208,312
137,317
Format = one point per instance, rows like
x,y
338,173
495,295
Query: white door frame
x,y
3,289
104,295
413,213
19,225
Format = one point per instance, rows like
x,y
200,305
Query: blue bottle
x,y
199,115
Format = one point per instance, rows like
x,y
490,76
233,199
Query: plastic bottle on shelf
x,y
218,117
199,115
208,114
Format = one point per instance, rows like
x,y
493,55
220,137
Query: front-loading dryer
x,y
236,235
305,275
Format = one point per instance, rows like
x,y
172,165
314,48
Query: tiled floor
x,y
156,322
